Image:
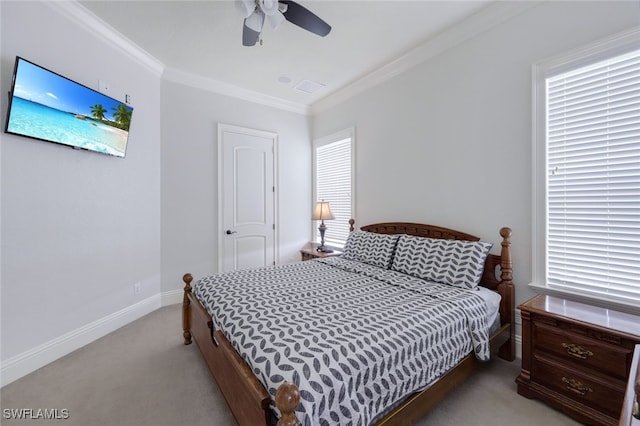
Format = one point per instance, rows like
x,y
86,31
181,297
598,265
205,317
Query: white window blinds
x,y
593,179
333,183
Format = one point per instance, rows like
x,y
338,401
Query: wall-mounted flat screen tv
x,y
47,106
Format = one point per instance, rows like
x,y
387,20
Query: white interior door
x,y
246,195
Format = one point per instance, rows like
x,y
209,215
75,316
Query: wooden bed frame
x,y
249,401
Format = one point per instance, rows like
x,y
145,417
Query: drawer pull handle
x,y
577,351
576,386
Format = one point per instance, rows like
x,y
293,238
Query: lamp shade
x,y
322,211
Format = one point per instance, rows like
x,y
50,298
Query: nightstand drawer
x,y
588,390
582,350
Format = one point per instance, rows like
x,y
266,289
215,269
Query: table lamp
x,y
322,212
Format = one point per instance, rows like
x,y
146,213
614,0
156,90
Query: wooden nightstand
x,y
311,253
576,357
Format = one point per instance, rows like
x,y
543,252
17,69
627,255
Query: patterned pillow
x,y
371,248
454,262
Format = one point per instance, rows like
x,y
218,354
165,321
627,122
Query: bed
x,y
354,357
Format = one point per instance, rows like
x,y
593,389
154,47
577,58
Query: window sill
x,y
607,303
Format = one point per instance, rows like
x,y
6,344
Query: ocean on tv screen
x,y
43,122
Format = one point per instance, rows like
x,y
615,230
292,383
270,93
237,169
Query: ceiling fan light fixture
x,y
245,7
271,8
255,21
275,20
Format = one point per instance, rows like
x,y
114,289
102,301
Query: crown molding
x,y
484,20
219,87
94,25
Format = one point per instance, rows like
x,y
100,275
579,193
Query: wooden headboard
x,y
500,281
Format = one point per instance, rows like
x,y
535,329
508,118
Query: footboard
x,y
243,393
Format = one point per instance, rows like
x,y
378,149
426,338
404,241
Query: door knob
x,y
229,232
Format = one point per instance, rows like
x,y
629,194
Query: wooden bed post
x,y
287,399
506,290
186,309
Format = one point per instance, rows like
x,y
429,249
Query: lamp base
x,y
321,248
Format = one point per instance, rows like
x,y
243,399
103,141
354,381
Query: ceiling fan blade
x,y
249,36
305,19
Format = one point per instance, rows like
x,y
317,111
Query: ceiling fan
x,y
276,12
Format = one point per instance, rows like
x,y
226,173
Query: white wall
x,y
189,177
449,142
78,228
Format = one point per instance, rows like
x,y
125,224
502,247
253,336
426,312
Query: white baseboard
x,y
29,361
518,321
518,347
171,297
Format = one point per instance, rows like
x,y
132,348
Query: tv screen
x,y
47,106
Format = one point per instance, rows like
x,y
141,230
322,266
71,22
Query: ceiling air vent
x,y
309,86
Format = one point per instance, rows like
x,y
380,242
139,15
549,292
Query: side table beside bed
x,y
312,253
577,357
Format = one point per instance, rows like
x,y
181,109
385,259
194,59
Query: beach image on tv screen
x,y
50,107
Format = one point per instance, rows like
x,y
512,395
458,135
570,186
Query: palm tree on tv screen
x,y
122,117
98,112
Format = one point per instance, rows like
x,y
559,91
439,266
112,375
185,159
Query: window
x,y
333,182
587,172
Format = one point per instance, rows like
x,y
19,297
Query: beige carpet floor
x,y
142,375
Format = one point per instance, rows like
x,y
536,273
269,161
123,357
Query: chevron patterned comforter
x,y
355,338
